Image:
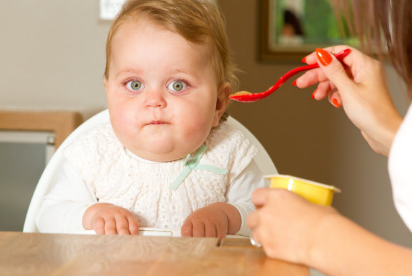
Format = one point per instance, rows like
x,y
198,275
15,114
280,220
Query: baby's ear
x,y
105,83
222,102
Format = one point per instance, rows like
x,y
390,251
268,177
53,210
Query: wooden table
x,y
62,254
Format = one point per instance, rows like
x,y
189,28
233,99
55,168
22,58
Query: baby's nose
x,y
155,98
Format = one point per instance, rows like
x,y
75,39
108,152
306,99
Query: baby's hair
x,y
198,21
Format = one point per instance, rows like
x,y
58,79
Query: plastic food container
x,y
315,192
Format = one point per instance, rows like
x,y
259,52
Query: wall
x,y
52,54
53,58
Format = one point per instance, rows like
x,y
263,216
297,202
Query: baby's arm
x,y
239,194
64,208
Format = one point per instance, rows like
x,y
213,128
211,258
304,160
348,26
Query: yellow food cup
x,y
315,192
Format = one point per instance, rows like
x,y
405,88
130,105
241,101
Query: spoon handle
x,y
252,97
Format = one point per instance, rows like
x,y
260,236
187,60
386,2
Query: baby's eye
x,y
177,86
134,85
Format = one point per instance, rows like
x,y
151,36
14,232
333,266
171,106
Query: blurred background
x,y
53,56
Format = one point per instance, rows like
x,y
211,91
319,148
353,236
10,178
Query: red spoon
x,y
247,97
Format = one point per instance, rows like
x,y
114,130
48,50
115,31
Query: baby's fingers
x,y
193,228
212,232
104,225
187,229
133,226
110,226
198,229
127,225
122,226
98,226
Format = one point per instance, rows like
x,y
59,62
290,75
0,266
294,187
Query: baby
x,y
168,159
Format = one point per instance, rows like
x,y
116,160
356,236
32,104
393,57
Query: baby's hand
x,y
209,221
109,219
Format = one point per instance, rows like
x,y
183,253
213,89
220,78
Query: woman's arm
x,y
342,247
293,229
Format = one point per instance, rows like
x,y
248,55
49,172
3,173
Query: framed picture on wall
x,y
291,29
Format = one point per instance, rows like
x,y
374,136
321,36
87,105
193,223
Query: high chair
x,y
51,172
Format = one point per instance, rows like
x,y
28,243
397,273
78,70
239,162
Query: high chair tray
x,y
147,231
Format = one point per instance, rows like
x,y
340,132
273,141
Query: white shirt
x,y
400,169
63,208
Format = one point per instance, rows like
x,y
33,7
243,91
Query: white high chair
x,y
51,172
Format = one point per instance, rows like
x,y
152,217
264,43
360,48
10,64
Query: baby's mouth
x,y
157,123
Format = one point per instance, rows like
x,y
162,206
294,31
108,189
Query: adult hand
x,y
291,228
359,85
109,219
286,224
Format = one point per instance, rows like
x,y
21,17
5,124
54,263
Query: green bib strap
x,y
193,164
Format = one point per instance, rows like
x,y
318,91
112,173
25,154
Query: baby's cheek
x,y
197,134
125,132
125,122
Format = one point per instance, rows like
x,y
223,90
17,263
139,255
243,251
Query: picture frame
x,y
291,29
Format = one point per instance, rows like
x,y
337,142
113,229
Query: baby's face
x,y
161,92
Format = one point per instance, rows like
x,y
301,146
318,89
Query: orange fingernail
x,y
313,94
304,60
336,103
324,57
294,82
